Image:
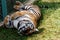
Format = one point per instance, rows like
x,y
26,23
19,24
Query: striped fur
x,y
25,19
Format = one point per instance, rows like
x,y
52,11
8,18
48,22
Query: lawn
x,y
49,24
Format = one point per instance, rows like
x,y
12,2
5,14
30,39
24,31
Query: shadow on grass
x,y
11,34
48,4
40,31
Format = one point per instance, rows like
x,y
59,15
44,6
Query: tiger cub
x,y
24,19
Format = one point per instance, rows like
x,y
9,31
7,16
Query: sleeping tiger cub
x,y
24,19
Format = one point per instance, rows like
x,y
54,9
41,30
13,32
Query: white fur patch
x,y
15,22
36,30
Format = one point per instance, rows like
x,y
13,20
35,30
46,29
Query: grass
x,y
49,24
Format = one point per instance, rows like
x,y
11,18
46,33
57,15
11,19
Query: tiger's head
x,y
26,27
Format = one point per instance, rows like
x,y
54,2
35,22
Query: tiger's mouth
x,y
24,27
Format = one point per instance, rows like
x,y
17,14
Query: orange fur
x,y
33,17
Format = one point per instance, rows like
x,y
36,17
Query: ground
x,y
49,24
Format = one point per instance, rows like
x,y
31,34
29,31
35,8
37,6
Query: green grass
x,y
49,24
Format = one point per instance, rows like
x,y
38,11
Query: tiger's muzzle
x,y
25,26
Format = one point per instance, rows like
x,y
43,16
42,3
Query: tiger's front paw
x,y
8,21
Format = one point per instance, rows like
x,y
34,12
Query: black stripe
x,y
18,24
33,11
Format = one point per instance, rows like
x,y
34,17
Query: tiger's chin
x,y
25,27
